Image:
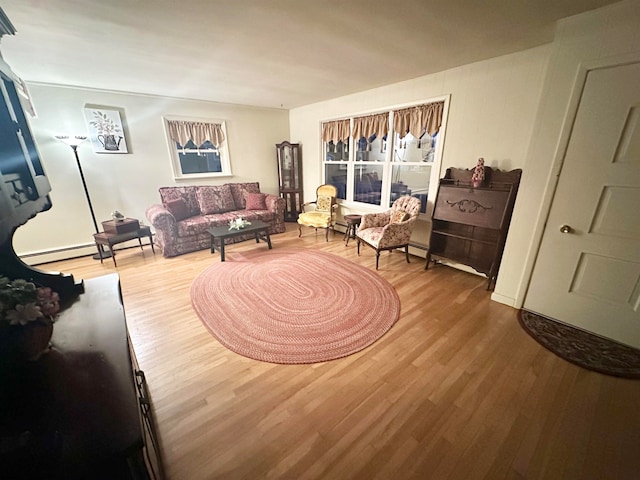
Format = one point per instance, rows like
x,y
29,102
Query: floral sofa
x,y
182,220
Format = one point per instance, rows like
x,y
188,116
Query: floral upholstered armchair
x,y
391,229
324,215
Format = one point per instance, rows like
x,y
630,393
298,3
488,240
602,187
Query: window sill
x,y
198,176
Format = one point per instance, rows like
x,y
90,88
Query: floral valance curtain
x,y
336,131
198,132
367,126
417,120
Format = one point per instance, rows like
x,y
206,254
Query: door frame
x,y
546,202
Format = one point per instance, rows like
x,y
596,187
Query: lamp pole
x,y
74,142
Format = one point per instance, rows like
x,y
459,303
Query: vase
x,y
110,142
33,339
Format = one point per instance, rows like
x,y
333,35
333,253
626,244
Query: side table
x,y
353,221
111,239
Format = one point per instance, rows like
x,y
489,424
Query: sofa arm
x,y
162,220
277,205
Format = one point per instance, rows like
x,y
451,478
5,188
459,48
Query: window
x,y
392,154
198,148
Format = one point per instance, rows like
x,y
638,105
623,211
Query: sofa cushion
x,y
188,194
239,189
178,208
255,201
215,199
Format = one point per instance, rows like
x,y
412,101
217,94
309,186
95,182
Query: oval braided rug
x,y
293,305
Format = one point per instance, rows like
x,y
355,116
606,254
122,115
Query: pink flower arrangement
x,y
22,302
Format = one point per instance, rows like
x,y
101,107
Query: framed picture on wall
x,y
105,130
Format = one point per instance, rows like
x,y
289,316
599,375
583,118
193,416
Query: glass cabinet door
x,y
290,178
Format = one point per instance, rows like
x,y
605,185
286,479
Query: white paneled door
x,y
588,269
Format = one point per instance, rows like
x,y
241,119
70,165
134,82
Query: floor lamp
x,y
74,141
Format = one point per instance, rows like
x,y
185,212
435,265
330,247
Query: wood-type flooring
x,y
455,390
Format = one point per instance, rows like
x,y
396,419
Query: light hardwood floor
x,y
455,390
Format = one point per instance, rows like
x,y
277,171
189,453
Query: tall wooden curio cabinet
x,y
290,178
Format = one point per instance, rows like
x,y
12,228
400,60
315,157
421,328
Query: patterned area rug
x,y
293,305
582,348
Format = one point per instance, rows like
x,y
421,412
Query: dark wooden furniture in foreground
x,y
470,225
352,226
220,234
121,231
81,410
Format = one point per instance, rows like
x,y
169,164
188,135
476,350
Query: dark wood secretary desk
x,y
470,225
82,410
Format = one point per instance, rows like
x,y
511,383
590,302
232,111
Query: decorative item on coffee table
x,y
238,224
220,234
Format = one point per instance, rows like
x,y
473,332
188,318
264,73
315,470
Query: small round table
x,y
352,225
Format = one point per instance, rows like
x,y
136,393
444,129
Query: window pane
x,y
372,149
368,183
339,152
412,149
203,159
336,175
411,180
203,162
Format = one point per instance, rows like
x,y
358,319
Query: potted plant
x,y
27,314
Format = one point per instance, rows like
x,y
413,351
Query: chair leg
x,y
406,252
326,234
377,258
299,230
358,247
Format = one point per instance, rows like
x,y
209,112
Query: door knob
x,y
566,229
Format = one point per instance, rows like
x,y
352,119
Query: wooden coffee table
x,y
220,234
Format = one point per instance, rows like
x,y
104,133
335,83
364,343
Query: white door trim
x,y
580,79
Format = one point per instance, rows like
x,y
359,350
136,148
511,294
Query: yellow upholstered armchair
x,y
391,229
324,213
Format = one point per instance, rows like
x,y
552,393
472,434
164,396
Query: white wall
x,y
605,37
492,112
129,182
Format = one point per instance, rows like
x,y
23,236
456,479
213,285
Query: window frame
x,y
174,157
436,165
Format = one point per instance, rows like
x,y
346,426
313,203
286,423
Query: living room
x,y
510,109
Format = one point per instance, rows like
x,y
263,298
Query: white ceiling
x,y
273,53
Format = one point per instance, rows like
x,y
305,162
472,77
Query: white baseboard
x,y
67,253
55,255
496,297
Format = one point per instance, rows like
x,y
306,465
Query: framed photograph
x,y
105,130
